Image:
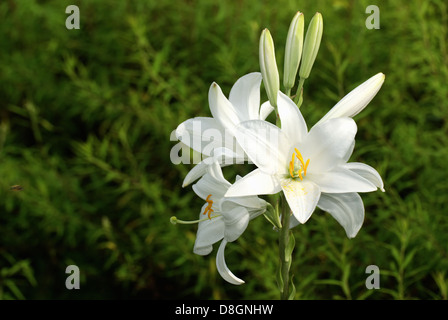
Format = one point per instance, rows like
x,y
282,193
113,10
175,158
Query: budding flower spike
x,y
293,51
268,66
311,46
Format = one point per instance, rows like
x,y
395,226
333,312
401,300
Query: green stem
x,y
285,252
298,97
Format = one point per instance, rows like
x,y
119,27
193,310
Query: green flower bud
x,y
311,45
293,50
268,66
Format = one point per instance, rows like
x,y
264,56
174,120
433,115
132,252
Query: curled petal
x,y
346,208
367,172
221,265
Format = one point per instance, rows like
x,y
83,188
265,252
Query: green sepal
x,y
272,216
279,279
293,288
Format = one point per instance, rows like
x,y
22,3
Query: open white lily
x,y
306,165
214,136
222,218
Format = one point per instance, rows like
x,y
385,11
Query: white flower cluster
x,y
310,167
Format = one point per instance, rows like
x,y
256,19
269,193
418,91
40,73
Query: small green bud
x,y
311,46
268,66
293,50
173,220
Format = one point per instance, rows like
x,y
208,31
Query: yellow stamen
x,y
208,209
299,156
300,175
306,166
303,165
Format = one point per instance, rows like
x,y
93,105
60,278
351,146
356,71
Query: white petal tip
x,y
382,189
223,270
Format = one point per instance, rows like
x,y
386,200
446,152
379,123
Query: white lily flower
x,y
306,165
357,99
243,104
222,218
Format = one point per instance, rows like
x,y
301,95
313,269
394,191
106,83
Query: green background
x,y
85,123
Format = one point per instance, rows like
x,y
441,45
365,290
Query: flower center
x,y
208,209
298,171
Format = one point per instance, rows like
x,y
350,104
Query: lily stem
x,y
299,95
285,252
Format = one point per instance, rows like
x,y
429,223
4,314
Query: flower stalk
x,y
286,247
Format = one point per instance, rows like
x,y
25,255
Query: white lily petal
x,y
190,132
221,265
357,99
265,145
209,232
346,208
341,180
349,152
222,110
215,172
302,197
250,202
265,110
195,173
223,156
245,96
367,172
292,121
328,143
255,212
293,222
236,222
255,183
210,185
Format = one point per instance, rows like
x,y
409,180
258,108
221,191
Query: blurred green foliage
x,y
85,123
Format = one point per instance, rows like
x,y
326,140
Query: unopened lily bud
x,y
357,99
268,66
293,50
311,45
